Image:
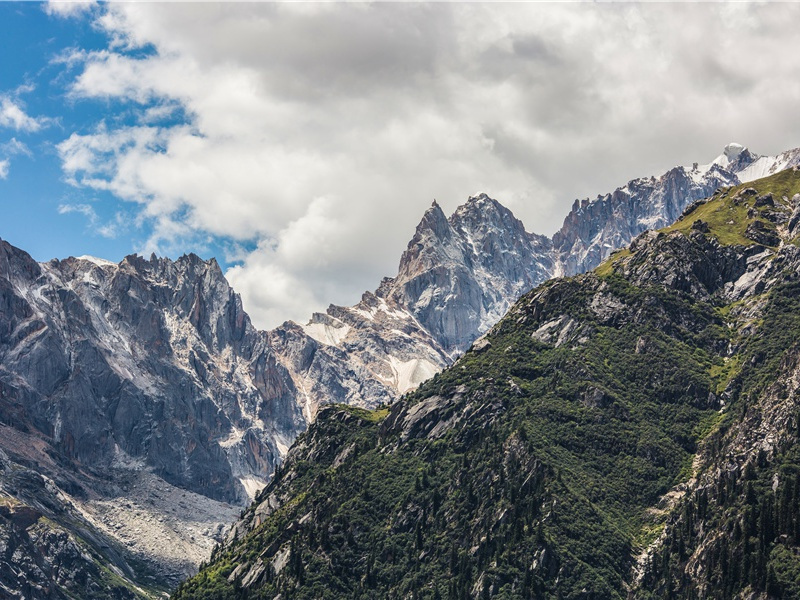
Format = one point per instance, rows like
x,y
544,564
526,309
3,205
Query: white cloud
x,y
12,115
68,8
109,229
8,149
318,133
14,146
85,209
272,291
313,258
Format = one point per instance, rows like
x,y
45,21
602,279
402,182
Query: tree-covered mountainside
x,y
630,432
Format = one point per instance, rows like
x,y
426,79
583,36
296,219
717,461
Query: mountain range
x,y
140,405
460,274
631,432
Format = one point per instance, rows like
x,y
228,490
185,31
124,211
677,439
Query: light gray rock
x,y
461,273
153,359
126,383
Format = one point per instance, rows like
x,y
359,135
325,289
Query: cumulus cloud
x,y
13,116
317,134
68,8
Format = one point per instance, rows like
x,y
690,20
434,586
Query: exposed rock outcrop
x,y
461,273
145,371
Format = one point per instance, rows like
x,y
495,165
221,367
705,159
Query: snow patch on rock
x,y
410,373
327,333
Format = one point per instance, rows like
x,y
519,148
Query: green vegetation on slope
x,y
545,480
755,502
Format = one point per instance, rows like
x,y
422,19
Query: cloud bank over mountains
x,y
311,137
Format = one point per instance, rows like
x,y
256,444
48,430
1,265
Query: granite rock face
x,y
456,279
142,392
460,275
49,551
628,432
595,228
151,360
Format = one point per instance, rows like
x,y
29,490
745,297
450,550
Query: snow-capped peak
x,y
734,156
732,151
738,159
100,262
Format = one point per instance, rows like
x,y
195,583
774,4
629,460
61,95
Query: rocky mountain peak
x,y
735,158
15,262
155,359
153,364
733,150
456,278
433,222
478,202
457,285
594,228
481,197
481,213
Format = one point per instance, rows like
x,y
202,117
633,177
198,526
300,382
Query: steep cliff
x,y
457,278
124,384
49,550
146,360
595,228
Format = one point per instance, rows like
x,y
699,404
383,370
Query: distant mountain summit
x,y
456,278
460,274
595,228
749,167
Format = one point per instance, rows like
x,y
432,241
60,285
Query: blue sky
x,y
300,143
34,189
42,212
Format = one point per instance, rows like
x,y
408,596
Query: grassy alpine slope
x,y
581,449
